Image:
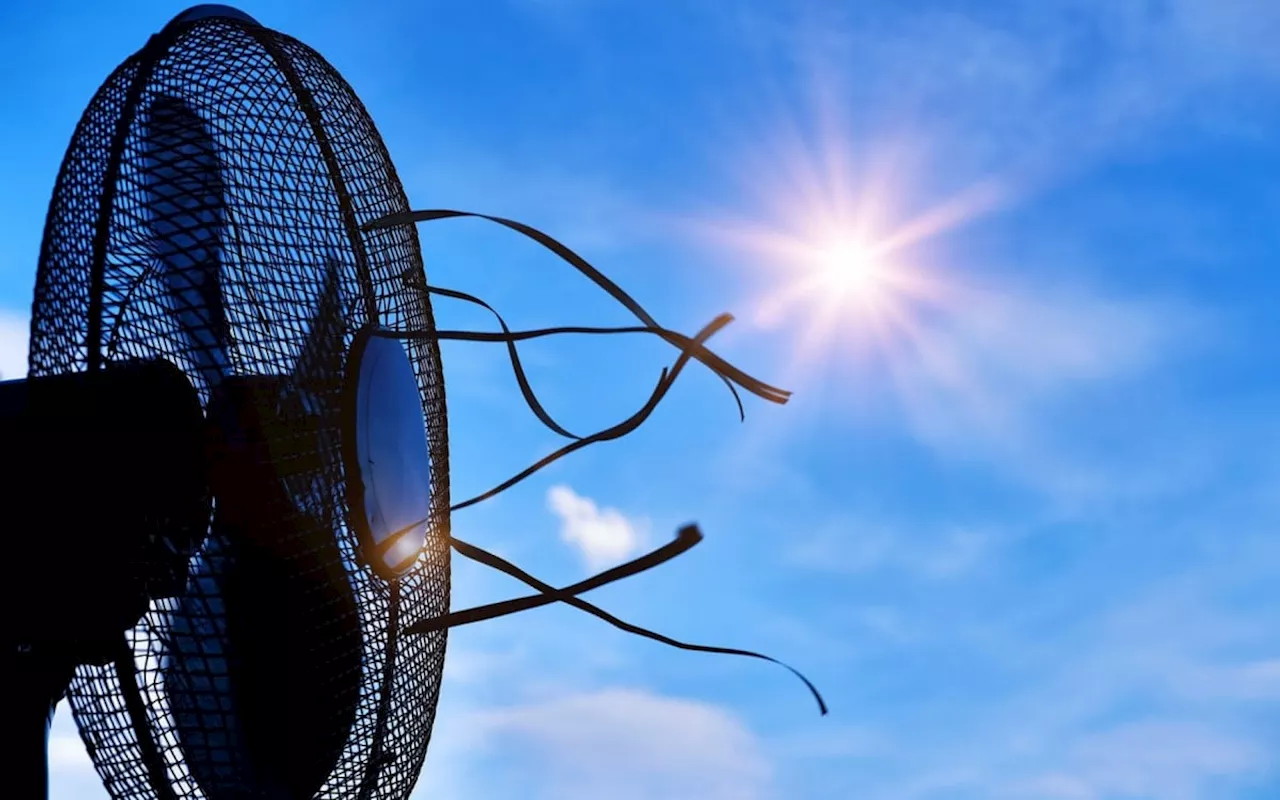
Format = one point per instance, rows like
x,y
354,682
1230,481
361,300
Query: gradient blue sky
x,y
1025,541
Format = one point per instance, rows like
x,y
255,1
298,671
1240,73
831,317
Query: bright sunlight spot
x,y
849,268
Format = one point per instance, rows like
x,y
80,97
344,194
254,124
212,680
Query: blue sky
x,y
1023,537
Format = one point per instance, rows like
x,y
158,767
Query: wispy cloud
x,y
1038,89
602,536
1060,390
980,370
577,207
1251,680
1130,701
1052,387
14,330
626,743
849,545
1172,760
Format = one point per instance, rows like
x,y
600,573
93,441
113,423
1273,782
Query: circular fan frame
x,y
304,169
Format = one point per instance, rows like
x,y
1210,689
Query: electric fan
x,y
232,438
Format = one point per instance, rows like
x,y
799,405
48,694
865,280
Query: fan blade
x,y
197,676
311,401
187,209
265,673
321,354
266,660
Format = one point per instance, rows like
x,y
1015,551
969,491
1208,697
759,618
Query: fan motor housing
x,y
109,466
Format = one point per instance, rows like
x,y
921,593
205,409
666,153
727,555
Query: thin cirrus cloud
x,y
1041,88
619,742
1010,378
1001,373
848,545
1177,760
983,370
1133,700
601,536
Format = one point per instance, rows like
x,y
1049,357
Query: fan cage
x,y
303,168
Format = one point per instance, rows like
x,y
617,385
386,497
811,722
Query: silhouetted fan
x,y
232,439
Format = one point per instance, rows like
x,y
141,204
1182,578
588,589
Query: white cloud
x,y
602,536
66,752
14,330
630,744
1164,759
71,773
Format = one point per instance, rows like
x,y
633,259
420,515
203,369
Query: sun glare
x,y
843,214
849,268
844,266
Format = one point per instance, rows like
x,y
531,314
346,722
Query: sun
x,y
849,268
839,253
833,278
837,222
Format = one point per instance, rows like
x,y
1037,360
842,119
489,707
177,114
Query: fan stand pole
x,y
37,683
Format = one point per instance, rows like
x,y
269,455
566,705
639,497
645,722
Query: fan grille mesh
x,y
290,134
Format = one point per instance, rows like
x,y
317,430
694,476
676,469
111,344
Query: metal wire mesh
x,y
302,167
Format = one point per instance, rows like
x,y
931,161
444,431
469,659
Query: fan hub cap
x,y
387,457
